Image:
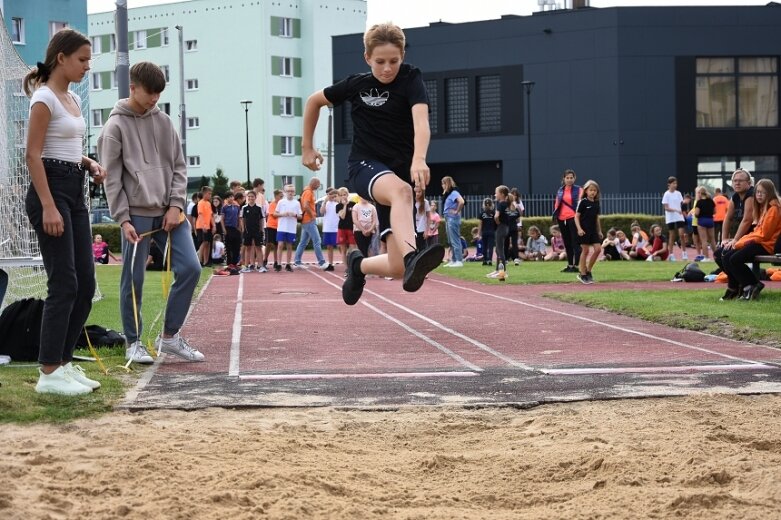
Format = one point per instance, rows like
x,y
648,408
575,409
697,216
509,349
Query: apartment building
x,y
273,54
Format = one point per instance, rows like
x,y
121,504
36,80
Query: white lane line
x,y
380,375
233,365
433,343
607,325
482,346
652,370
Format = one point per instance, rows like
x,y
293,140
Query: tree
x,y
220,183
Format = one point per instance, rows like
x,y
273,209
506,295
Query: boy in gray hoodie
x,y
146,189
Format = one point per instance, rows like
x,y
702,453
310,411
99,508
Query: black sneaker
x,y
288,268
590,278
352,288
751,292
329,268
583,278
277,268
418,264
730,294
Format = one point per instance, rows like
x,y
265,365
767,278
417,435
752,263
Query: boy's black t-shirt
x,y
589,212
706,207
488,222
382,115
253,218
347,221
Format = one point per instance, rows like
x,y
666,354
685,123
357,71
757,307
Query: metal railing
x,y
542,205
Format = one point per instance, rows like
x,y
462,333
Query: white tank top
x,y
65,134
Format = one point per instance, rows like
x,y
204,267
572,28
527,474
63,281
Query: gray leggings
x,y
501,234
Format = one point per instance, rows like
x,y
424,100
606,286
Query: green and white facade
x,y
274,54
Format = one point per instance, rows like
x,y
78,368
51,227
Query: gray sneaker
x,y
178,346
137,353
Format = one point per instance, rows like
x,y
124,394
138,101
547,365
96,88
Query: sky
x,y
419,13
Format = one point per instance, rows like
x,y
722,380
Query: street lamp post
x,y
247,103
527,87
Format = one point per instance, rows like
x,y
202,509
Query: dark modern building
x,y
626,95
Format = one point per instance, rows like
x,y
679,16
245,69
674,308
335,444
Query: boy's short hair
x,y
239,195
671,180
148,75
205,190
277,192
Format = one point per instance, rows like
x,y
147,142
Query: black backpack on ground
x,y
20,329
100,337
690,273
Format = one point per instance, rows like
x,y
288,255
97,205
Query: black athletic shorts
x,y
254,238
362,175
203,235
271,235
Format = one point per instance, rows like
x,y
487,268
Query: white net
x,y
20,255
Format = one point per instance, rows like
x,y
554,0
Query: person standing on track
x,y
589,231
391,137
567,199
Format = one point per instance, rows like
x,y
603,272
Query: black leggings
x,y
733,262
569,233
363,242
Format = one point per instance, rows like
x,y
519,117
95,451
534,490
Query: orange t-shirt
x,y
271,220
204,220
307,201
565,211
720,212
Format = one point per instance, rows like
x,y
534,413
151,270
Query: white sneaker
x,y
671,258
457,264
137,353
178,346
324,265
246,269
262,269
298,266
517,261
78,375
60,382
492,274
649,259
685,256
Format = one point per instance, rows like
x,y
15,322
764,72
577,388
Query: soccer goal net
x,y
20,255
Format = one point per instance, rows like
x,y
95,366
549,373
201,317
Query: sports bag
x,y
690,273
20,329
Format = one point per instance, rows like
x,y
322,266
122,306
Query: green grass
x,y
550,272
700,310
20,403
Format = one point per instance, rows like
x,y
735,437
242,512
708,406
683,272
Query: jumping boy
x,y
391,138
138,137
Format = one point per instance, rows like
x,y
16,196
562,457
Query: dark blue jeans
x,y
68,261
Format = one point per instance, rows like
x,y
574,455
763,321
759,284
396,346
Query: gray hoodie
x,y
143,157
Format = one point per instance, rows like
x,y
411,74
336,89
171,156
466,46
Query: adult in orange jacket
x,y
742,282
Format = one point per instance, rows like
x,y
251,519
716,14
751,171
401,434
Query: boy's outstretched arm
x,y
310,157
419,172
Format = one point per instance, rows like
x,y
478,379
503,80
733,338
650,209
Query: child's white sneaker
x,y
60,382
649,259
178,346
137,353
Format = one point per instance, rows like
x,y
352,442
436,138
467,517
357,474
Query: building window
x,y
287,145
191,45
193,160
17,30
95,41
55,27
112,43
286,27
287,179
97,118
286,65
114,83
716,172
433,109
489,104
286,107
95,81
164,36
193,122
166,72
140,40
192,84
737,92
165,107
457,105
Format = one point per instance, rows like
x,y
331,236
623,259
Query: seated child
x,y
101,252
656,249
610,245
558,250
536,245
218,250
477,241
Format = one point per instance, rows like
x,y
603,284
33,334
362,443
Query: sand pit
x,y
706,457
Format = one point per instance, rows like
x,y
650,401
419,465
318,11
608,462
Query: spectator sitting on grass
x,y
656,249
558,248
536,245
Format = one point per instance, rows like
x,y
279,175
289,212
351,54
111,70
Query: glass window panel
x,y
758,97
715,101
715,65
489,104
457,110
757,65
759,163
433,108
711,182
717,164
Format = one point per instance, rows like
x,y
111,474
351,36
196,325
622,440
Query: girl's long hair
x,y
772,195
504,190
65,41
450,184
588,184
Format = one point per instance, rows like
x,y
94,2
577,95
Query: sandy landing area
x,y
708,457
